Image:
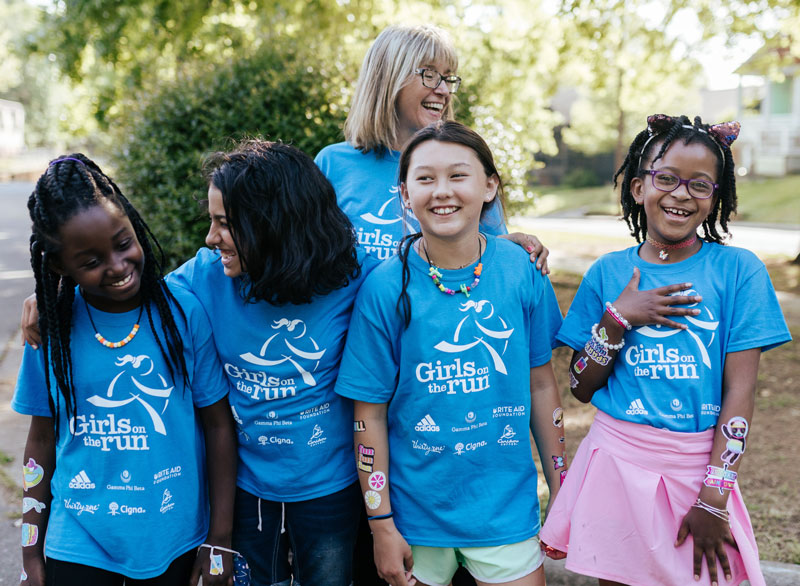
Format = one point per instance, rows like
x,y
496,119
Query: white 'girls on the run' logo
x,y
665,362
294,347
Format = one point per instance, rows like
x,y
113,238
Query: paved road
x,y
16,278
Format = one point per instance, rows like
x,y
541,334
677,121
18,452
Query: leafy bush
x,y
578,178
167,134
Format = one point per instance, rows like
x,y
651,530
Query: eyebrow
x,y
427,167
675,170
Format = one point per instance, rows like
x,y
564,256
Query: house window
x,y
781,97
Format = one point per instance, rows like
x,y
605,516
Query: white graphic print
x,y
289,350
663,361
143,366
463,342
426,424
383,218
637,408
81,480
317,437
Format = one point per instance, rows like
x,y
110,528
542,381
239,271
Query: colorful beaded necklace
x,y
124,340
663,248
436,275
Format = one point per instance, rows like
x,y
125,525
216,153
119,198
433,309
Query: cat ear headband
x,y
724,133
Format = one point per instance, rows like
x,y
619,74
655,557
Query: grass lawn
x,y
768,201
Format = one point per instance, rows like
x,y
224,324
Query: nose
x,y
682,191
442,189
442,89
212,238
118,265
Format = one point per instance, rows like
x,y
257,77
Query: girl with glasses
x,y
669,356
407,81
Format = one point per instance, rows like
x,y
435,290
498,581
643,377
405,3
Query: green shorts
x,y
495,564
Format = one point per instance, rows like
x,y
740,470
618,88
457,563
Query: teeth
x,y
124,281
433,106
444,211
676,211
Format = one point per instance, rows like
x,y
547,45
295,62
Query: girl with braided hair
x,y
671,364
124,391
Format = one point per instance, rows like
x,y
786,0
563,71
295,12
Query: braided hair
x,y
71,185
641,151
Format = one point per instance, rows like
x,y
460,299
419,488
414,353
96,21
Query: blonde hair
x,y
387,68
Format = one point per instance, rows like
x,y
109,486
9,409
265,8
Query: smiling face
x,y
446,188
219,235
675,216
100,252
417,105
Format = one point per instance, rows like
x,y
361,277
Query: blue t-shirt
x,y
367,191
294,431
458,386
134,464
671,378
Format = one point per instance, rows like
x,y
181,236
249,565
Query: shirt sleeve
x,y
545,320
370,366
30,394
585,310
493,222
757,320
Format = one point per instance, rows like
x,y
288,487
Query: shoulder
x,y
384,280
204,265
742,256
335,151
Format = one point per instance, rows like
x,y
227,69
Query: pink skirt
x,y
618,513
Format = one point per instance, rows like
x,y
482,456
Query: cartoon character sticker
x,y
558,417
736,433
32,474
30,534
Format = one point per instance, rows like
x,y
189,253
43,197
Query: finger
x,y
683,531
408,560
731,541
670,324
410,579
674,288
681,300
722,556
633,284
697,562
711,562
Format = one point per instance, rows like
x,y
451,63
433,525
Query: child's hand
x,y
202,566
393,557
551,552
710,534
532,246
652,306
29,322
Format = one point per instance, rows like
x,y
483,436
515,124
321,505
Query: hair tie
x,y
722,134
67,159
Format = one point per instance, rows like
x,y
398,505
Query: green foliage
x,y
578,178
274,95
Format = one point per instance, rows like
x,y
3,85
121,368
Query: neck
x,y
674,251
452,254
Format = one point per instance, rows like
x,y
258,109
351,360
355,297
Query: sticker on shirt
x,y
377,480
372,499
289,344
31,504
136,383
461,448
166,501
115,509
32,474
479,325
664,360
507,439
317,437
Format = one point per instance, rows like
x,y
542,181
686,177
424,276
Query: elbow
x,y
582,396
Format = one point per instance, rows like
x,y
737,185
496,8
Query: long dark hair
x,y
71,185
293,240
453,132
643,148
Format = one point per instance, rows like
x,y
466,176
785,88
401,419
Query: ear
x,y
637,190
492,183
404,196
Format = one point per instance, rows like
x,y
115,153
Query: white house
x,y
769,143
12,128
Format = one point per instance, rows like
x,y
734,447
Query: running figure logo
x,y
466,336
140,367
383,218
288,351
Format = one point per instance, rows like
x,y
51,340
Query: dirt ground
x,y
768,476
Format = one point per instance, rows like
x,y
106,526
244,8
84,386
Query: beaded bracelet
x,y
597,338
617,316
378,517
719,513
